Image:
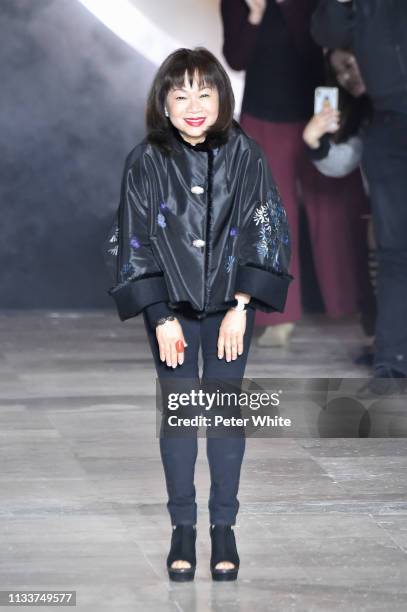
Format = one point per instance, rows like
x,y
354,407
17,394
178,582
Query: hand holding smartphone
x,y
326,116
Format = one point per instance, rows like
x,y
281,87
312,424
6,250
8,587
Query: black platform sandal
x,y
182,549
223,549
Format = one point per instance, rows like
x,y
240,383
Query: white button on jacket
x,y
198,243
197,189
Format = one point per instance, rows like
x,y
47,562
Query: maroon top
x,y
283,65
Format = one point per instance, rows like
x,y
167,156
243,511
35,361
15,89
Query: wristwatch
x,y
240,305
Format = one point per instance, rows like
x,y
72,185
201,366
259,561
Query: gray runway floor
x,y
322,522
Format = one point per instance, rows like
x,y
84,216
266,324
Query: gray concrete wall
x,y
72,103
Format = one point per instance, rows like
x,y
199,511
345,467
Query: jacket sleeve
x,y
139,281
340,159
157,311
264,247
239,35
332,24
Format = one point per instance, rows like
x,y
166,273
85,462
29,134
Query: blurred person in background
x,y
334,144
271,41
376,32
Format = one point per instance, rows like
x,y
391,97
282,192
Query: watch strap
x,y
240,306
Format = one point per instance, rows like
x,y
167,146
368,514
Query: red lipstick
x,y
195,122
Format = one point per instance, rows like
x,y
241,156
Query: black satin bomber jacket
x,y
196,226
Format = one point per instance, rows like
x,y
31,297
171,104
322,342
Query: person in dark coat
x,y
270,40
376,32
199,242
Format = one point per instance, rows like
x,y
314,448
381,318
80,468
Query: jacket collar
x,y
208,144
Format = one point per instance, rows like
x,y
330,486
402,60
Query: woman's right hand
x,y
256,8
327,121
167,336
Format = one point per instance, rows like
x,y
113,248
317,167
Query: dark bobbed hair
x,y
355,111
197,62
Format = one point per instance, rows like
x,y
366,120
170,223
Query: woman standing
x,y
334,144
199,242
270,40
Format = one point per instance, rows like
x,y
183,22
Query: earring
x,y
166,112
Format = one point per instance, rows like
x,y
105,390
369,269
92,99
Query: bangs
x,y
193,71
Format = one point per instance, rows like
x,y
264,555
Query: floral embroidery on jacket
x,y
161,220
126,271
261,215
230,260
115,236
271,219
114,250
114,239
134,243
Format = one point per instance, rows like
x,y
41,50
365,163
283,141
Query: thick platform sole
x,y
224,575
181,575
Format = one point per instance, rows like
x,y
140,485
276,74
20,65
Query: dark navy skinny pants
x,y
179,453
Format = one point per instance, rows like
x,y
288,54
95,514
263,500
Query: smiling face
x,y
192,109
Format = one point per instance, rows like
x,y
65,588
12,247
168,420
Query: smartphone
x,y
326,97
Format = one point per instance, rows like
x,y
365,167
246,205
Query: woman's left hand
x,y
231,332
